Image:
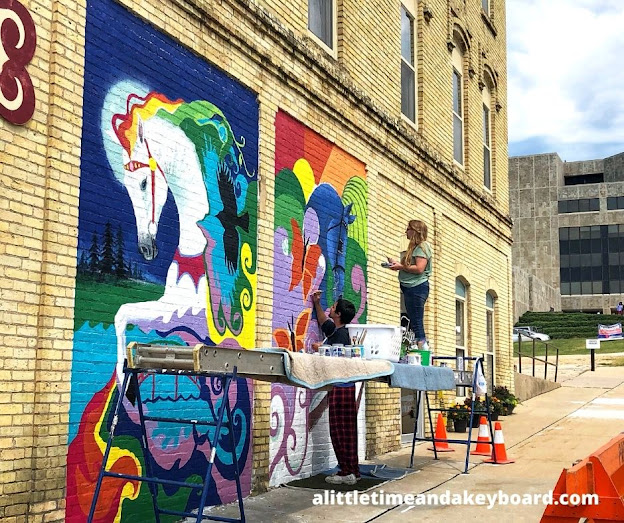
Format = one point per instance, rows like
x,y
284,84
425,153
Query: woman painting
x,y
414,269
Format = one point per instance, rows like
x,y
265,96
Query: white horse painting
x,y
152,150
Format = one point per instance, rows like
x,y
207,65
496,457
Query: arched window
x,y
487,137
490,329
460,327
458,104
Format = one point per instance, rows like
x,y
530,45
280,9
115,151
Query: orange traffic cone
x,y
483,440
440,433
499,446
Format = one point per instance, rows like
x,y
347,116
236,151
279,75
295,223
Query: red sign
x,y
17,47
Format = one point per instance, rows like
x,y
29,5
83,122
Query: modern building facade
x,y
568,233
184,171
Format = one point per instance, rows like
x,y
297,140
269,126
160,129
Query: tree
x,y
83,264
108,258
121,271
94,255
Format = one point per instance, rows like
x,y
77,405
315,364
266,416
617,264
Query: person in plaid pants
x,y
342,402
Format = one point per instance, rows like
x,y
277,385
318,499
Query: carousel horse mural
x,y
168,164
190,150
155,145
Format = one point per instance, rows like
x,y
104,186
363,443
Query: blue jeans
x,y
415,298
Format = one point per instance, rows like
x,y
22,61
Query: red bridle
x,y
153,166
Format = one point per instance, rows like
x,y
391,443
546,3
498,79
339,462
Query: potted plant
x,y
507,398
479,409
460,414
497,408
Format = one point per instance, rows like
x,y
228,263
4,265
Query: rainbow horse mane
x,y
125,125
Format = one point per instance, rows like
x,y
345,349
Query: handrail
x,y
535,358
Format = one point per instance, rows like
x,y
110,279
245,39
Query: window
x,y
458,114
582,205
487,148
490,355
460,313
460,331
408,70
486,6
582,179
590,259
321,21
615,202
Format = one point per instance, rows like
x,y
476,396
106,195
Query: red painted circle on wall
x,y
18,40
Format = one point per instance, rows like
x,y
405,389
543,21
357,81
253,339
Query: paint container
x,y
348,352
413,358
338,351
325,350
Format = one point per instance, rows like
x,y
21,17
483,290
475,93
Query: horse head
x,y
337,238
147,187
334,220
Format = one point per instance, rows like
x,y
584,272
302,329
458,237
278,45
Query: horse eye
x,y
144,184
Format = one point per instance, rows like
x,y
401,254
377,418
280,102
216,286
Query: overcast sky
x,y
566,77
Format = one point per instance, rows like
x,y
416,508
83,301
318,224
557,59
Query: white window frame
x,y
485,5
487,137
460,326
490,335
333,50
458,117
410,10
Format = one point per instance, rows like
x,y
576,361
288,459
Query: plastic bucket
x,y
425,357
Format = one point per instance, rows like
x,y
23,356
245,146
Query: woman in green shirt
x,y
414,270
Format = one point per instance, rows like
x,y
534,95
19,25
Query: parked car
x,y
528,333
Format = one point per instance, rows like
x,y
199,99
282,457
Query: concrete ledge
x,y
527,387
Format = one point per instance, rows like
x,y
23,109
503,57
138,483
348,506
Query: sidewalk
x,y
544,435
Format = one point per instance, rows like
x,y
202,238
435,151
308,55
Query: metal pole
x,y
556,364
418,400
546,362
239,493
147,456
433,438
519,353
593,359
534,357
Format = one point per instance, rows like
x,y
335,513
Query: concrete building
x,y
171,171
568,228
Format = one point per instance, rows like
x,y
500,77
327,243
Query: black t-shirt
x,y
335,335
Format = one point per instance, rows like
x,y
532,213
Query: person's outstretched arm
x,y
321,317
416,268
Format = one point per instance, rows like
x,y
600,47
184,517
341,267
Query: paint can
x,y
325,350
413,358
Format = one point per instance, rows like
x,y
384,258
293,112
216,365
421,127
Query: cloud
x,y
566,80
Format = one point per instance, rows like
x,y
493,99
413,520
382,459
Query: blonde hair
x,y
420,236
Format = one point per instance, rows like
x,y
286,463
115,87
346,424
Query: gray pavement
x,y
544,435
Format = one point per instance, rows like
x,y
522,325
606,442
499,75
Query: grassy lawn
x,y
568,346
98,301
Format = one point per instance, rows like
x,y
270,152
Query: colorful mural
x,y
18,41
320,243
167,254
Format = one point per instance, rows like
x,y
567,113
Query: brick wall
x,y
353,102
39,171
